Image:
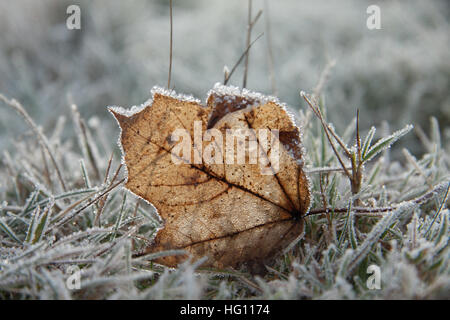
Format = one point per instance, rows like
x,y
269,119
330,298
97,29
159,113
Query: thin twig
x,y
249,34
358,210
325,125
171,45
269,50
378,210
117,172
357,163
326,129
358,139
108,167
240,59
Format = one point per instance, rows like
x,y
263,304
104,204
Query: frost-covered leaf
x,y
216,208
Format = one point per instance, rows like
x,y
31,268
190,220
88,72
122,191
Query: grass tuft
x,y
398,220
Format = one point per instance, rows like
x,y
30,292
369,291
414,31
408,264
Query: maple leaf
x,y
234,211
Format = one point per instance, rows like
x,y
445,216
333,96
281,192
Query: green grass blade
x,y
385,143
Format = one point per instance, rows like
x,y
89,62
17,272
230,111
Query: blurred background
x,y
397,75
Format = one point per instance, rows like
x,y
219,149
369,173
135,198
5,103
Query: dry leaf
x,y
231,212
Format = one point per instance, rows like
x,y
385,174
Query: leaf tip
x,y
120,117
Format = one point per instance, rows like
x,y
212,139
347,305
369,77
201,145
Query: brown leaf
x,y
230,212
